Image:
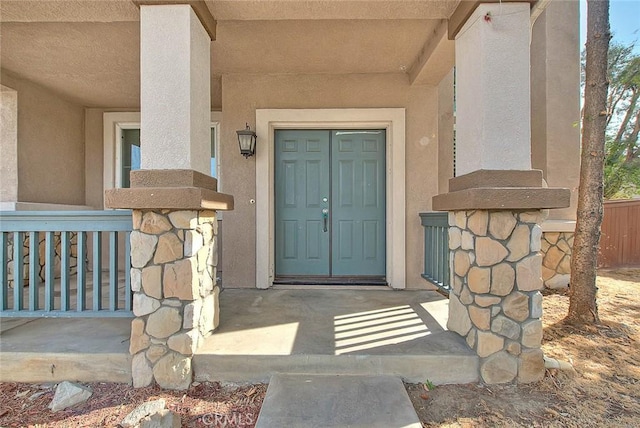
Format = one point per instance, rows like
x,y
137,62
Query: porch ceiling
x,y
331,9
89,51
338,47
226,10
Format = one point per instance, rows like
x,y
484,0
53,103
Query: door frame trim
x,y
390,119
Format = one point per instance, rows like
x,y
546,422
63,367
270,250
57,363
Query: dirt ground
x,y
604,390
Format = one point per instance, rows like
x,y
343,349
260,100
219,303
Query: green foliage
x,y
621,177
622,161
429,385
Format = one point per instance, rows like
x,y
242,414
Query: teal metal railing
x,y
54,263
436,249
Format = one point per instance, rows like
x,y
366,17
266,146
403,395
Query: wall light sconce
x,y
247,141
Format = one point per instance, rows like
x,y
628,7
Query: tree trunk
x,y
583,308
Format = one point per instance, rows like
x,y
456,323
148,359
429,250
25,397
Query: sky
x,y
624,19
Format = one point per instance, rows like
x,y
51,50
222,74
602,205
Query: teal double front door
x,y
330,195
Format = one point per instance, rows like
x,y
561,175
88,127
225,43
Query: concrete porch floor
x,y
57,349
261,333
332,331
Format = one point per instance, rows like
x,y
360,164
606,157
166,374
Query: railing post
x,y
34,271
64,271
49,281
18,271
128,295
113,271
436,248
97,271
82,273
4,289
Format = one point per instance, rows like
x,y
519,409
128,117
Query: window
x,y
130,154
121,136
214,157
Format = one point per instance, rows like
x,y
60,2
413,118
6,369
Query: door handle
x,y
325,219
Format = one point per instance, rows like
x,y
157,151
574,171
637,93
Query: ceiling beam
x,y
537,9
199,7
466,8
436,58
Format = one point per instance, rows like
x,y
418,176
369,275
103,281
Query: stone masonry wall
x,y
175,301
556,263
495,302
73,254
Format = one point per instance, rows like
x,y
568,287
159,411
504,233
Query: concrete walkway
x,y
336,401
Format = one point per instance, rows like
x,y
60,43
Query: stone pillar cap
x,y
181,189
501,190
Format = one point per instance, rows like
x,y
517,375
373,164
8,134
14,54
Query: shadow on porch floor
x,y
329,331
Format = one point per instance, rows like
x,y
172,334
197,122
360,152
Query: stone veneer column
x,y
496,268
496,303
556,261
495,202
173,277
173,270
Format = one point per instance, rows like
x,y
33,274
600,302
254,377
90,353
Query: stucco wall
x,y
94,158
445,132
8,144
555,100
50,145
243,94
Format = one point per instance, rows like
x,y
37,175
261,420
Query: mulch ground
x,y
204,405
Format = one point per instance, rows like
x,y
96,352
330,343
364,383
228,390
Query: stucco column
x,y
174,200
555,134
555,99
175,96
496,202
493,124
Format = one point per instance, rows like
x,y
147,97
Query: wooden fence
x,y
620,239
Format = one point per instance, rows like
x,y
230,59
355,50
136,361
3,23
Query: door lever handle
x,y
325,219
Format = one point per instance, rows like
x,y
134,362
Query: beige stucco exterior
x,y
243,94
93,157
446,121
8,144
50,145
555,100
273,57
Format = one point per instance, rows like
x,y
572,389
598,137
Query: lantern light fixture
x,y
247,141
